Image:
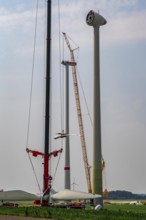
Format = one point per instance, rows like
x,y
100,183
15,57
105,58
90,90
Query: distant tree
x,y
122,194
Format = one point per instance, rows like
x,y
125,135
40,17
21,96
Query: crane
x,y
105,192
79,114
48,156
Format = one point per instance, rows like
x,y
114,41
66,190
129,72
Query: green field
x,y
110,212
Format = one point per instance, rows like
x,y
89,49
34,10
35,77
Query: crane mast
x,y
79,114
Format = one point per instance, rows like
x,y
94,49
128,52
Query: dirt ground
x,y
5,217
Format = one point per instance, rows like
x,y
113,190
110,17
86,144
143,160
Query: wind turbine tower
x,y
96,20
67,184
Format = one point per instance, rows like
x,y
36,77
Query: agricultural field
x,y
110,212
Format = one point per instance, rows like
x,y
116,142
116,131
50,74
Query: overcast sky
x,y
123,93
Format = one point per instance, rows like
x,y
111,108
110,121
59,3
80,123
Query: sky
x,y
123,94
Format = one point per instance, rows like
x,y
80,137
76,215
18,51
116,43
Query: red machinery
x,y
47,177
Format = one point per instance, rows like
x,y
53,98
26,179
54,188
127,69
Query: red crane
x,y
47,177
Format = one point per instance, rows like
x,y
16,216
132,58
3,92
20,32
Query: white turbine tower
x,y
96,20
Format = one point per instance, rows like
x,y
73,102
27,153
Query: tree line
x,y
122,194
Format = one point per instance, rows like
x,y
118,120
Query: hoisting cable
x,y
61,95
81,81
44,68
61,78
84,97
56,169
77,47
34,172
104,173
81,85
30,99
61,85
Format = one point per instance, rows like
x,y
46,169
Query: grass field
x,y
110,212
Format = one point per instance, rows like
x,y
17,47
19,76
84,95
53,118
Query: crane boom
x,y
79,114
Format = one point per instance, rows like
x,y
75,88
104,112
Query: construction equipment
x,y
105,191
79,114
48,156
36,153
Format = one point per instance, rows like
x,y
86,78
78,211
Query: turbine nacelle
x,y
94,19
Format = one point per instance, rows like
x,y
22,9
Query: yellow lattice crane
x,y
105,191
79,114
